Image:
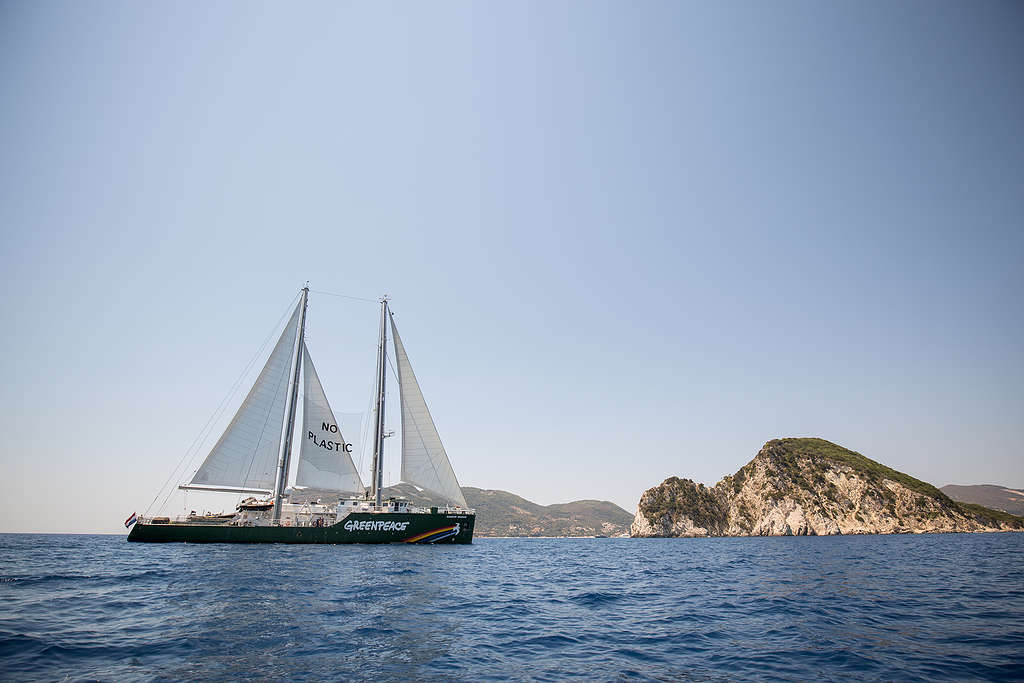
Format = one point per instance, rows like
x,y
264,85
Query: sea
x,y
860,608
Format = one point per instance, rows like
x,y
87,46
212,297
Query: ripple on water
x,y
860,609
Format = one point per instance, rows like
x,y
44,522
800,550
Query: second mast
x,y
377,486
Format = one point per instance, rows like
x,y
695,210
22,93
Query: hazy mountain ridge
x,y
809,487
500,513
993,496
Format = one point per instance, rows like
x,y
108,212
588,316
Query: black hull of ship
x,y
357,527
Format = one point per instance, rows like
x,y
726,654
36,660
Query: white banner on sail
x,y
325,460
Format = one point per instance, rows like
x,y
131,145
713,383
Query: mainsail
x,y
424,461
245,457
324,460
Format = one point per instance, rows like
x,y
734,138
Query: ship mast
x,y
284,457
377,485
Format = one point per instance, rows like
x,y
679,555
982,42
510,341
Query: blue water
x,y
902,608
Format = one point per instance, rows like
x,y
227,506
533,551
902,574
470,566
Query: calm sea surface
x,y
906,608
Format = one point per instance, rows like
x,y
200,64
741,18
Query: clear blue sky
x,y
623,241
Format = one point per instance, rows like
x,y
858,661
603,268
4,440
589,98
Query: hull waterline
x,y
355,528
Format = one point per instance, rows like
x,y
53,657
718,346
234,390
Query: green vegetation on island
x,y
809,486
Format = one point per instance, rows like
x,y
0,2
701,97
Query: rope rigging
x,y
193,449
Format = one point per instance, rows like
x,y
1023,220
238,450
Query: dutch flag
x,y
131,520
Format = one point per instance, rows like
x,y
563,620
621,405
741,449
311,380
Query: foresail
x,y
246,454
325,462
424,461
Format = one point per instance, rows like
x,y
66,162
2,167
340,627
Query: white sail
x,y
246,455
325,463
424,461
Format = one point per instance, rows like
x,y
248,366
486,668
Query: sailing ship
x,y
253,457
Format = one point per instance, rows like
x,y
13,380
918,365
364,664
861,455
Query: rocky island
x,y
807,486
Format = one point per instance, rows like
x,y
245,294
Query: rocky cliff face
x,y
809,487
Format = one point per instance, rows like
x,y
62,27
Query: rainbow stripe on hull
x,y
435,535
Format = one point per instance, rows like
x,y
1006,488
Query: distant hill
x,y
989,495
500,513
809,487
